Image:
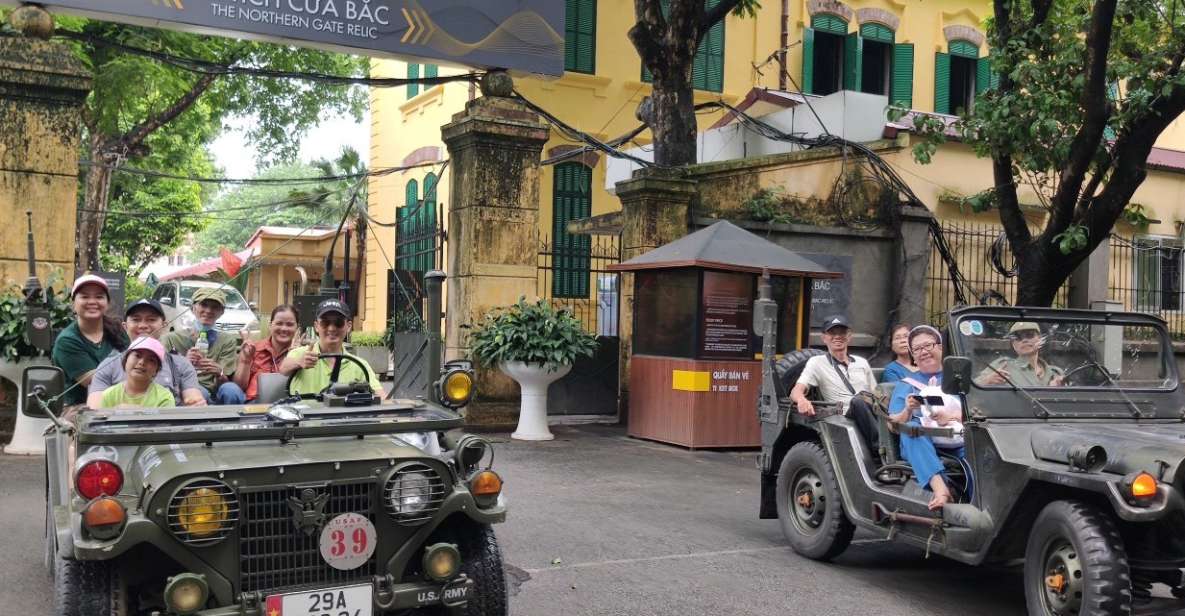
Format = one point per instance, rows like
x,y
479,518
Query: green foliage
x,y
532,333
1136,215
979,202
368,339
766,206
238,213
135,289
1073,238
13,343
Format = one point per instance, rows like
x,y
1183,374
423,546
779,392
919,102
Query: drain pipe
x,y
784,46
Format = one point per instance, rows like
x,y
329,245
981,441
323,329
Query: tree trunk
x,y
94,206
1042,270
674,123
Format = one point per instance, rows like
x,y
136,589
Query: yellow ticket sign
x,y
691,380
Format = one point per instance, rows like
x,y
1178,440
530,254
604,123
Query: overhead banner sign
x,y
522,35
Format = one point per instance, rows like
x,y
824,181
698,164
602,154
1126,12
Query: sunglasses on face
x,y
1025,335
338,322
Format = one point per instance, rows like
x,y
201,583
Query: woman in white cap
x,y
141,362
91,338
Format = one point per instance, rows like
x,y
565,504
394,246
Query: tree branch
x,y
1040,12
141,131
645,34
1093,102
715,15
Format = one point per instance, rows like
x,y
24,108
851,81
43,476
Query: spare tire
x,y
789,367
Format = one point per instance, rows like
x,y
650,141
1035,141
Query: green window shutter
x,y
963,48
876,32
431,70
808,61
427,226
826,22
571,254
983,75
580,36
411,194
901,90
853,54
941,82
708,70
413,72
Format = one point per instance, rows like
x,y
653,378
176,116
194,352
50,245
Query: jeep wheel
x,y
790,366
481,560
1075,564
87,588
809,504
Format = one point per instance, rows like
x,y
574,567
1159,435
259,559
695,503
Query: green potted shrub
x,y
372,346
535,344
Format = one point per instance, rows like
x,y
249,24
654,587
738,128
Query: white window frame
x,y
1153,299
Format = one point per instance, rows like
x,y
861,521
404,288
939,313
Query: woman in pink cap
x,y
141,362
91,338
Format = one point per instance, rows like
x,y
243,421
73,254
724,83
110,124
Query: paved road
x,y
605,525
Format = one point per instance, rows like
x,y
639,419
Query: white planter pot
x,y
27,439
533,379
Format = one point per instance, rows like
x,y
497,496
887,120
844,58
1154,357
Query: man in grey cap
x,y
839,376
1027,369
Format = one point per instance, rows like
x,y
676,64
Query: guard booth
x,y
695,370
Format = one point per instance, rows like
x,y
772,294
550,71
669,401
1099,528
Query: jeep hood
x,y
1134,447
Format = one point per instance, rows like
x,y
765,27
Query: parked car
x,y
1081,481
176,296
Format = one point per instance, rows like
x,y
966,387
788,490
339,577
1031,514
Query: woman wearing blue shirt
x,y
926,345
902,366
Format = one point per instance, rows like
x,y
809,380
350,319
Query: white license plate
x,y
344,601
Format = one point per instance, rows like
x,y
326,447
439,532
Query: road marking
x,y
630,561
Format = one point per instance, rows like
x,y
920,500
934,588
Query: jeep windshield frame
x,y
247,422
1120,365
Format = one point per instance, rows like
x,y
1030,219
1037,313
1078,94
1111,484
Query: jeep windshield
x,y
1035,351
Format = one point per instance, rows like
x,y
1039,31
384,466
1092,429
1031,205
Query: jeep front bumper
x,y
387,598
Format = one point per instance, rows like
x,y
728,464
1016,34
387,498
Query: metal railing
x,y
574,275
1146,275
971,246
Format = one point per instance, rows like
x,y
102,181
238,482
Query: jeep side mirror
x,y
46,383
956,375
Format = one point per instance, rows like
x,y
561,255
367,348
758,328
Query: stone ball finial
x,y
497,83
32,20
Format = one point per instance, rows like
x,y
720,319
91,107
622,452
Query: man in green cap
x,y
1027,369
213,353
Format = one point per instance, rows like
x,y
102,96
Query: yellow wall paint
x,y
603,105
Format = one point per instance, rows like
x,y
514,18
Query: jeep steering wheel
x,y
1077,369
317,396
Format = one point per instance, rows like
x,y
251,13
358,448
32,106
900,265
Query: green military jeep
x,y
1079,478
338,504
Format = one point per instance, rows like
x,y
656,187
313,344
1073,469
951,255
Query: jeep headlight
x,y
455,386
413,493
203,511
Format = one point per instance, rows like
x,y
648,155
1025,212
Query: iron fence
x,y
574,274
1146,275
971,246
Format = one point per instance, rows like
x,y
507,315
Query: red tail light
x,y
98,478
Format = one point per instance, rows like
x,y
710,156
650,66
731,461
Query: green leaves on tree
x,y
1075,237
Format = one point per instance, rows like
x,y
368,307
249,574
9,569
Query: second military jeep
x,y
1080,478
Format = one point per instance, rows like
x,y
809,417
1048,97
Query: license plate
x,y
345,601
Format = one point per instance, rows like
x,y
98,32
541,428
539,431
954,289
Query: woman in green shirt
x,y
91,338
141,362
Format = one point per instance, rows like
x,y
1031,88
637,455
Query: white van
x,y
176,296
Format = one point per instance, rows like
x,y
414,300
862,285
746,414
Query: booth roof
x,y
725,246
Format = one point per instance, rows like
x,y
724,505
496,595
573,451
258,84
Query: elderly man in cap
x,y
1027,369
839,376
314,374
214,353
146,318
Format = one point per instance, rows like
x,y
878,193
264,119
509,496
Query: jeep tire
x,y
1075,563
810,507
481,560
87,588
790,366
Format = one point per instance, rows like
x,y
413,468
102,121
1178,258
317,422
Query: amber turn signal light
x,y
1143,485
485,483
104,517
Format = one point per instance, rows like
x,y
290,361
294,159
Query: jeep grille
x,y
275,554
210,496
413,493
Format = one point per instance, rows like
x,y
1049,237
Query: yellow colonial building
x,y
930,56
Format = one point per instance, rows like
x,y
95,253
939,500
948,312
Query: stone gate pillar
x,y
655,210
911,273
42,90
494,149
